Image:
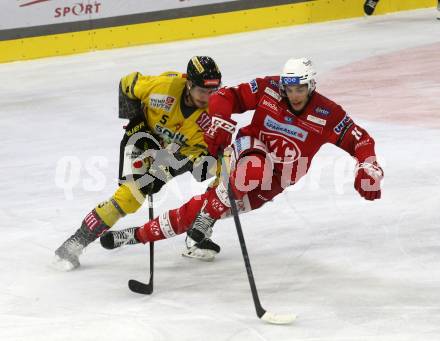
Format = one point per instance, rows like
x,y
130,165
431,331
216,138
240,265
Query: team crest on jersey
x,y
269,104
322,111
285,129
275,84
282,149
163,102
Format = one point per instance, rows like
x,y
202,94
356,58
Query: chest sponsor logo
x,y
170,136
273,93
285,129
163,102
281,148
322,111
254,86
309,126
338,129
316,120
269,104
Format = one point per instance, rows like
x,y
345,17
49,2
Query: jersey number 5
x,y
164,119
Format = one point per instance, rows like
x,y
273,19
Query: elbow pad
x,y
128,108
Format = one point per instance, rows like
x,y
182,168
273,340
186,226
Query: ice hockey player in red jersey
x,y
290,123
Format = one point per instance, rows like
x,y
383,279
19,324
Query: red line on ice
x,y
401,87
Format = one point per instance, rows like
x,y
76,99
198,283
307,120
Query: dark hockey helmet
x,y
203,71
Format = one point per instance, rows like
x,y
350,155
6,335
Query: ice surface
x,y
351,269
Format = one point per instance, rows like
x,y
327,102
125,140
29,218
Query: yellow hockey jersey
x,y
161,97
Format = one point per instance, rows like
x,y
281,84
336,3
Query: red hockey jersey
x,y
291,139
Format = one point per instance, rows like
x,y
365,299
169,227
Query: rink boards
x,y
81,27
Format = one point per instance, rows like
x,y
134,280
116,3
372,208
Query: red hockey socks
x,y
248,175
171,223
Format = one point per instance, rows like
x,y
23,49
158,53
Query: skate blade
x,y
205,256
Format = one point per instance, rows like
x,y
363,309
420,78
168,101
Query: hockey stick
x,y
136,286
261,312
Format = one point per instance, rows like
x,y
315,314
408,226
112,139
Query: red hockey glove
x,y
219,134
367,181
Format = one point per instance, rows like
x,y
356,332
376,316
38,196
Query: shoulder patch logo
x,y
254,86
341,125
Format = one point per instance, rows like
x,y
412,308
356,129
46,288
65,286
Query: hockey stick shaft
x,y
225,175
261,312
134,285
259,309
151,216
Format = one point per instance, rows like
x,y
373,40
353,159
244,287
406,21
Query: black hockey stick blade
x,y
142,288
139,287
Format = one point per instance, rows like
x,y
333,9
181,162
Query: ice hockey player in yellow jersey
x,y
164,138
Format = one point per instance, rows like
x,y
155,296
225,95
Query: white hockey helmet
x,y
298,71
